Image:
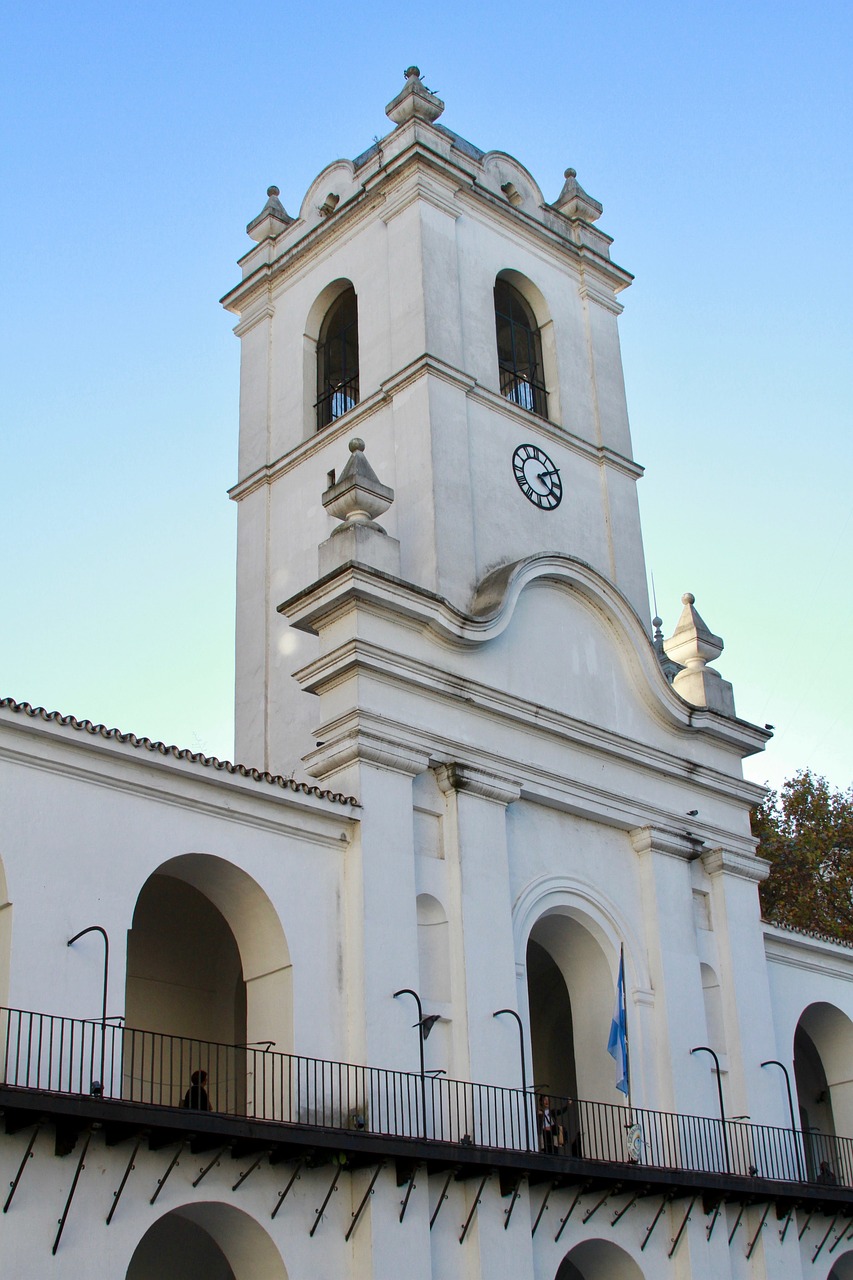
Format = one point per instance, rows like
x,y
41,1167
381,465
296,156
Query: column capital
x,y
477,782
361,746
746,866
674,844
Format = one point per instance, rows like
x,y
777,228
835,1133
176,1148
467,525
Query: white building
x,y
443,623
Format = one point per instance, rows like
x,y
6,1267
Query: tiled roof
x,y
177,753
810,933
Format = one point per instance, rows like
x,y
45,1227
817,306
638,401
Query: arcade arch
x,y
207,961
843,1268
598,1260
570,988
208,1241
823,1053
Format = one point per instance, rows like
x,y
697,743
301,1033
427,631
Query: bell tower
x,y
428,301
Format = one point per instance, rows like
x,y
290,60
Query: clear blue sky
x,y
137,143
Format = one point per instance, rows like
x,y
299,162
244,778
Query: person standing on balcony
x,y
195,1098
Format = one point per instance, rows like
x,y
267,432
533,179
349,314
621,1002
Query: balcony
x,y
80,1075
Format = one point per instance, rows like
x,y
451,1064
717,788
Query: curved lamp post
x,y
96,928
774,1062
512,1013
423,1032
703,1048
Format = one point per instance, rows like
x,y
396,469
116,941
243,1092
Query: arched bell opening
x,y
598,1260
823,1051
206,1242
208,986
571,992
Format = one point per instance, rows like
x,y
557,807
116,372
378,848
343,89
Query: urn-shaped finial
x,y
358,496
414,101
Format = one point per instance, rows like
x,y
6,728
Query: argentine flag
x,y
617,1045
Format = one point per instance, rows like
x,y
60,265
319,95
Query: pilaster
x,y
678,1016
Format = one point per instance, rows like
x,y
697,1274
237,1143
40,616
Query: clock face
x,y
537,477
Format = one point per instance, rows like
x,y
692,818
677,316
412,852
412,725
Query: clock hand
x,y
543,475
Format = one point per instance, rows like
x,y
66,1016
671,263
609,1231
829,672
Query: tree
x,y
806,834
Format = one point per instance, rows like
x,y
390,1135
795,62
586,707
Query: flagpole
x,y
625,1024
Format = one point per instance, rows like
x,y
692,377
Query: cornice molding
x,y
477,782
428,365
798,951
251,319
356,585
551,787
360,657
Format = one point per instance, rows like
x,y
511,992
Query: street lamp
x,y
424,1026
96,928
512,1013
774,1062
703,1048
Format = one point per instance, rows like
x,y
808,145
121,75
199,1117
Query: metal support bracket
x,y
202,1173
621,1213
27,1154
581,1189
294,1177
516,1192
709,1230
805,1225
130,1167
364,1199
829,1232
251,1169
78,1171
161,1182
612,1192
737,1223
784,1231
754,1241
543,1206
845,1235
404,1203
654,1222
680,1232
441,1200
470,1217
322,1208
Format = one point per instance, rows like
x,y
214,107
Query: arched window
x,y
519,350
337,360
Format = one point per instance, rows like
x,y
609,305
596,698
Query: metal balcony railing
x,y
73,1056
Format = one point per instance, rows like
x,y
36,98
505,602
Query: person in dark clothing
x,y
195,1098
826,1177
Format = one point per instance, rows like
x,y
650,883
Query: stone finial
x,y
414,101
693,645
272,219
359,495
574,202
356,499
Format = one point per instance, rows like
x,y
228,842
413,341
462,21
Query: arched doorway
x,y
823,1051
208,984
598,1260
206,1242
571,991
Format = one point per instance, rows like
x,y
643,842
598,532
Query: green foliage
x,y
806,834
